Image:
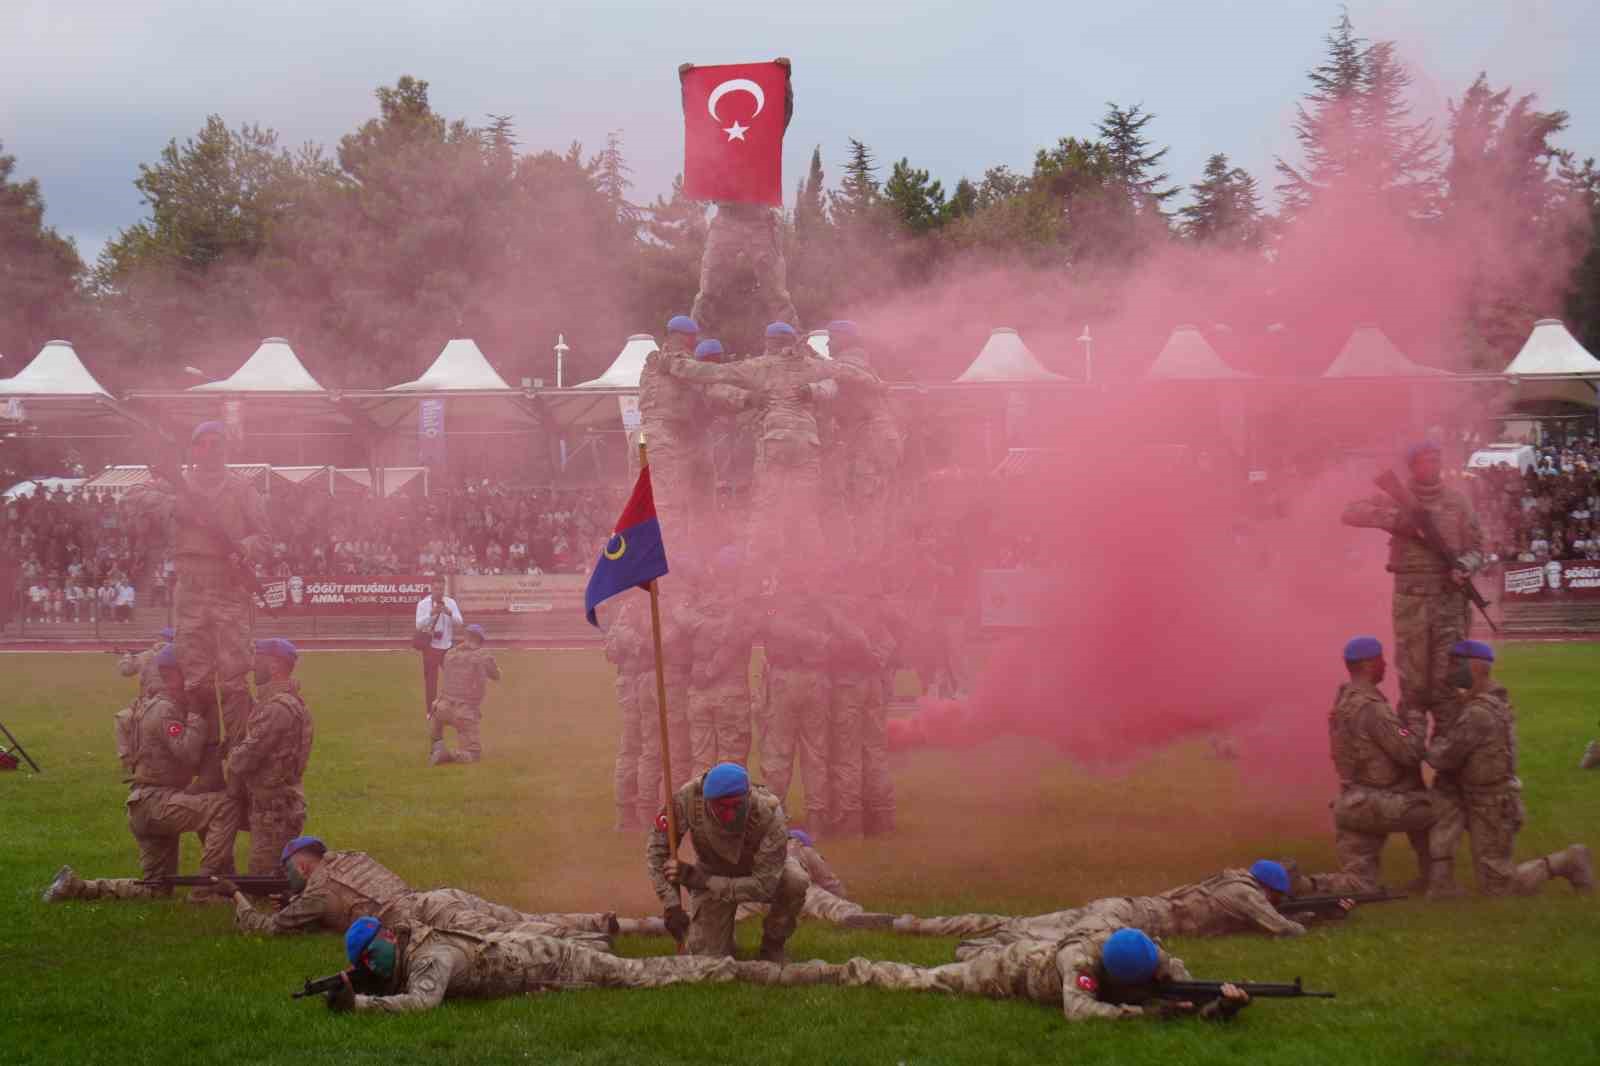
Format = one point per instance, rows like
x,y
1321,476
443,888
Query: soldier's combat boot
x,y
65,885
439,755
1442,881
868,920
1576,865
772,950
1591,756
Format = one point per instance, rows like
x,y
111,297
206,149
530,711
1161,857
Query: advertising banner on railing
x,y
350,594
1575,579
518,593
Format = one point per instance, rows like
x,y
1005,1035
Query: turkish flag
x,y
733,122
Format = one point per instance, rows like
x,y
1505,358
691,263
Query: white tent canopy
x,y
818,339
55,372
1005,358
624,371
272,368
1188,356
1550,349
1369,353
461,366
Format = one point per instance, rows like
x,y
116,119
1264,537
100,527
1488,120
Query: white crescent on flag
x,y
736,85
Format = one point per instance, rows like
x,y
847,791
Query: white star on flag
x,y
736,132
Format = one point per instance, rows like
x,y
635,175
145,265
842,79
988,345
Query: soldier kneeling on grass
x,y
467,667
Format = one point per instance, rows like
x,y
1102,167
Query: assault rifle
x,y
170,470
1421,528
1330,906
249,884
5,753
1206,991
318,985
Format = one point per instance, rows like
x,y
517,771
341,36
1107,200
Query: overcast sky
x,y
90,90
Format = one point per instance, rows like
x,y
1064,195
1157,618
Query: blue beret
x,y
1272,874
299,844
208,427
1130,957
725,779
1421,447
682,324
708,349
167,635
802,836
362,932
167,658
1359,649
843,328
780,329
1473,649
278,648
476,630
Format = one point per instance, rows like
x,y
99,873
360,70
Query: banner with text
x,y
352,594
1571,580
518,593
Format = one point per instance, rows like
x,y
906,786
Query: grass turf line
x,y
1008,827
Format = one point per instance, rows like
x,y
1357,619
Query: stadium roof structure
x,y
461,375
271,388
624,371
1553,367
1369,353
273,368
1188,356
56,387
1005,359
119,479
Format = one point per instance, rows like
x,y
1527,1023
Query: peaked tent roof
x,y
1369,353
1005,358
624,371
818,339
55,371
1188,356
272,368
461,366
1550,349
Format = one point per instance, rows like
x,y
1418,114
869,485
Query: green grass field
x,y
1007,827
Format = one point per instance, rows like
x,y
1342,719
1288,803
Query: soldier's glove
x,y
677,922
342,998
1222,1009
225,886
692,877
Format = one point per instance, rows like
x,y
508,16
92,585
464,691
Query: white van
x,y
1522,456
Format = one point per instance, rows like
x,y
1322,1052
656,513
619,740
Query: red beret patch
x,y
174,729
1404,731
1087,983
661,821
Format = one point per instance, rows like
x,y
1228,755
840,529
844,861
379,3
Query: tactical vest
x,y
230,504
127,732
707,833
463,675
1451,515
287,767
153,761
1492,763
1356,758
362,885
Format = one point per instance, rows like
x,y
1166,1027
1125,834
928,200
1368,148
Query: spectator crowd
x,y
1552,511
79,555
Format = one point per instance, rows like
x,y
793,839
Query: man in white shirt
x,y
437,617
125,597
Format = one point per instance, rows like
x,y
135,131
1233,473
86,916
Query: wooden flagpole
x,y
661,704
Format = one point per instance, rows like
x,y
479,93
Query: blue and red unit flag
x,y
634,555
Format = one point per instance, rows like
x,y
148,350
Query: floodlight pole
x,y
561,355
1088,355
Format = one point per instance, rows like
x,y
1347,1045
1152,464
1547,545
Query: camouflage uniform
x,y
348,885
742,271
869,439
213,609
438,963
1065,972
1229,902
265,770
1377,754
747,863
719,684
464,675
796,633
628,650
784,531
1591,756
168,749
676,652
142,664
1431,612
859,648
670,415
1480,747
825,899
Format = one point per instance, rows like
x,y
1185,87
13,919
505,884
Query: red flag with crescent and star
x,y
733,122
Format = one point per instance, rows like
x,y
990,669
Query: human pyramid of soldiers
x,y
411,949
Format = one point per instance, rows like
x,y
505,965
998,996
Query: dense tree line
x,y
417,228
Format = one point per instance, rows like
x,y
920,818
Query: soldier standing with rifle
x,y
1435,547
220,523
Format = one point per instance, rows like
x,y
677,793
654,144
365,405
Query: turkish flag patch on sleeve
x,y
661,821
1087,983
174,729
733,122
